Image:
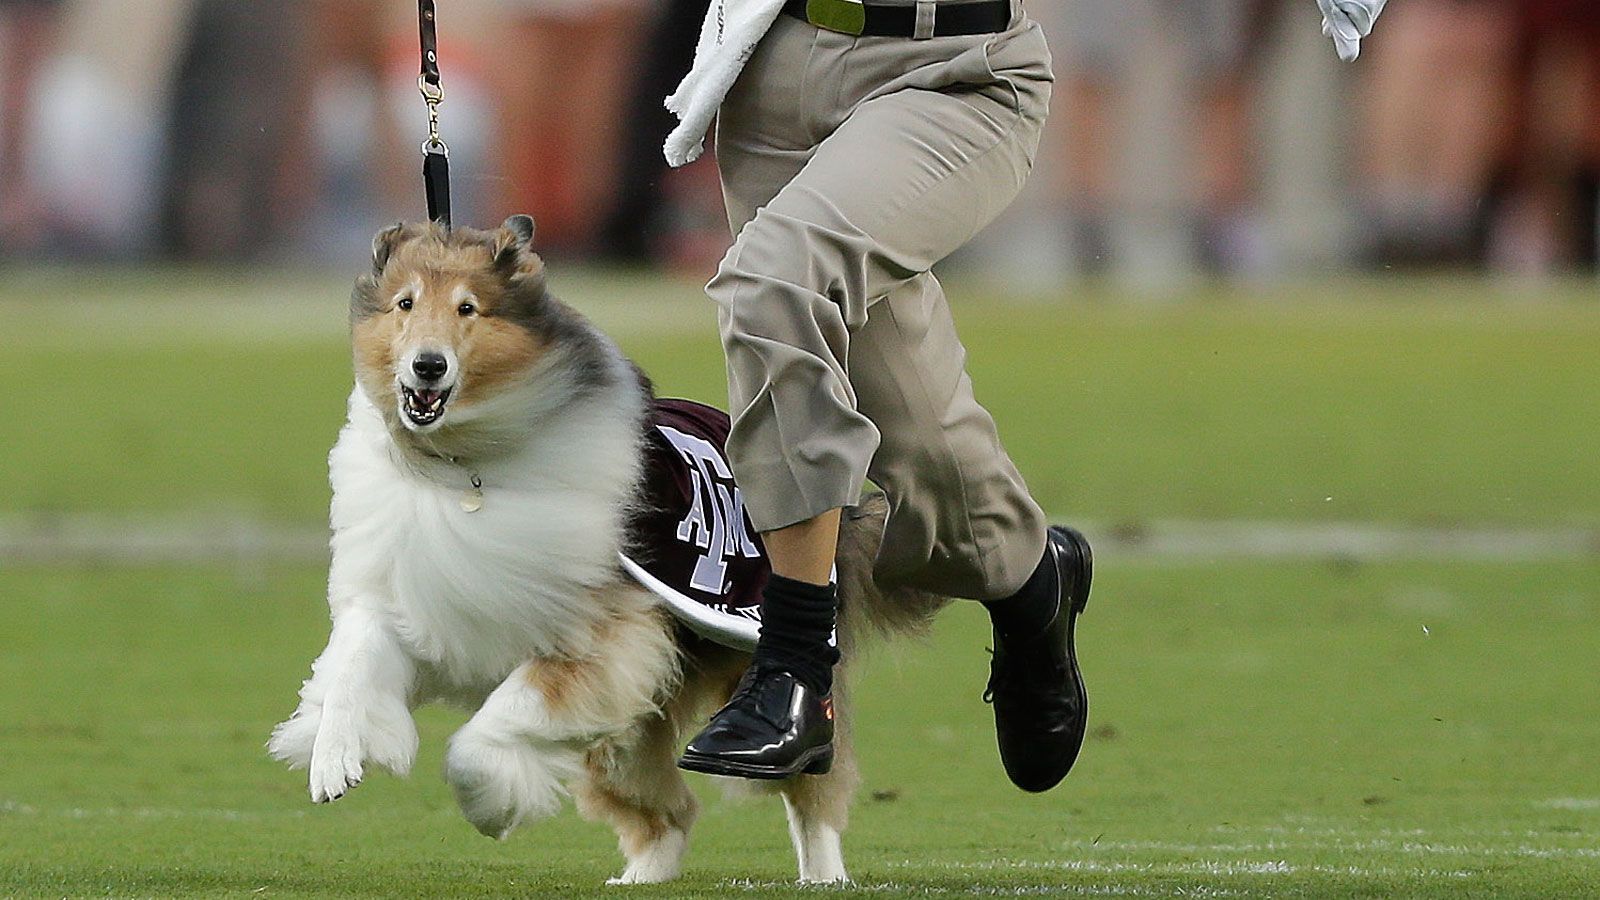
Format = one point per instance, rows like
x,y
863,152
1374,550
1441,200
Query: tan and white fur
x,y
508,598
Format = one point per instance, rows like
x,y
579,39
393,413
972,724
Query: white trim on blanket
x,y
727,629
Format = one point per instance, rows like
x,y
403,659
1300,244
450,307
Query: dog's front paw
x,y
292,740
335,764
500,784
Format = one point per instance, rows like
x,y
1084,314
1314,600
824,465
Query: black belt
x,y
883,20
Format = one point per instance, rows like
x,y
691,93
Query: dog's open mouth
x,y
423,406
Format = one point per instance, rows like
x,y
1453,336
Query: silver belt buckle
x,y
843,16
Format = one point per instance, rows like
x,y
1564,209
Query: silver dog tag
x,y
472,501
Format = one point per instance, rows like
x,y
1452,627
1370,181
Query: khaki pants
x,y
850,166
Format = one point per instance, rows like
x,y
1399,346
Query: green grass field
x,y
1423,727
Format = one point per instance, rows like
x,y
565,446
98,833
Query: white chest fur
x,y
474,594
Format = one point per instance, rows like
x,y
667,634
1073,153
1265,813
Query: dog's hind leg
x,y
816,821
634,784
818,807
513,759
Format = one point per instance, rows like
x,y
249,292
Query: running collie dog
x,y
482,490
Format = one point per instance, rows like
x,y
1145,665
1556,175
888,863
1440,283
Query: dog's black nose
x,y
430,366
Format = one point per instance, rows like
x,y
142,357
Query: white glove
x,y
1347,22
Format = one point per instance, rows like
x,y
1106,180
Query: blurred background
x,y
1210,137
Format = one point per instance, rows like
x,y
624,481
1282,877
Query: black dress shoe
x,y
1040,707
772,727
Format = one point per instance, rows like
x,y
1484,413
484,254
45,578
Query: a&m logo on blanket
x,y
716,522
691,542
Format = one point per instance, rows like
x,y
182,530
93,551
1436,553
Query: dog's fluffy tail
x,y
865,607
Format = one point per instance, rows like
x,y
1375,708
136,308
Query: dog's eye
x,y
404,303
467,309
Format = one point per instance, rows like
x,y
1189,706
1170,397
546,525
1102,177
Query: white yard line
x,y
13,808
1353,843
65,539
156,541
194,310
1583,804
1354,541
1203,868
902,889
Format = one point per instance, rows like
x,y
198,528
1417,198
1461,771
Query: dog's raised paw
x,y
293,739
335,767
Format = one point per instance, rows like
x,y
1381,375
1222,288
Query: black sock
x,y
1030,610
796,623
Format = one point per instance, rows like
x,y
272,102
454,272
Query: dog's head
x,y
448,320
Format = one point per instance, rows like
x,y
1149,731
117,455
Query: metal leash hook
x,y
432,95
435,153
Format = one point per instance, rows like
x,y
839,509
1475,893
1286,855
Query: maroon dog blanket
x,y
691,542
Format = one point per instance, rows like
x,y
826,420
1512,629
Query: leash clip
x,y
435,155
432,95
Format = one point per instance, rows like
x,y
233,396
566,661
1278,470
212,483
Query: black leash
x,y
435,155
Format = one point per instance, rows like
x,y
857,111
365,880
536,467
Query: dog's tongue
x,y
427,397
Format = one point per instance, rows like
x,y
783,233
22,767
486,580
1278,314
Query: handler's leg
x,y
961,522
907,178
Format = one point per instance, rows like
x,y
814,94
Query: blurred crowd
x,y
1217,136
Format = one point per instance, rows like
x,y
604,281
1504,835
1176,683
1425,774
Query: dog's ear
x,y
513,244
383,245
521,226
